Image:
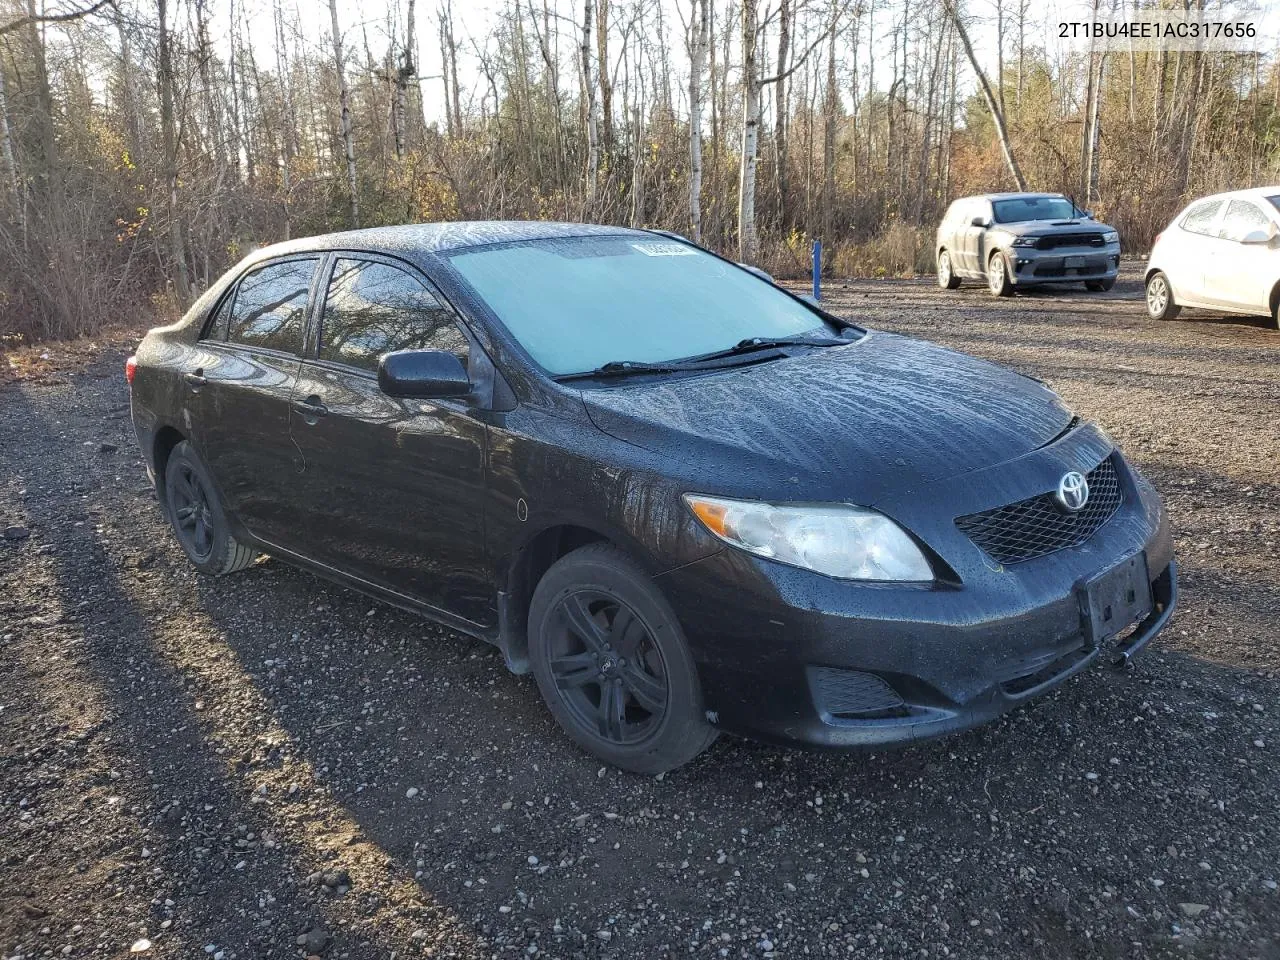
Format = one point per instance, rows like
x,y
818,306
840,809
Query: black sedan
x,y
684,498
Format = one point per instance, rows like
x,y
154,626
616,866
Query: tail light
x,y
130,368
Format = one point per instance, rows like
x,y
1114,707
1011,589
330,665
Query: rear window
x,y
270,309
1200,218
373,308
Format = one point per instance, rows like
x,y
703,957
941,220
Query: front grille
x,y
1039,526
1056,240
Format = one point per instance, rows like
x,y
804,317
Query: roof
x,y
1015,196
418,238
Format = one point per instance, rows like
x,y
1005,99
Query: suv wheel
x,y
612,663
946,276
1160,305
998,281
197,517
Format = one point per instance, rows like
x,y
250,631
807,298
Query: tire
x,y
947,278
1160,305
627,690
998,281
197,517
1100,286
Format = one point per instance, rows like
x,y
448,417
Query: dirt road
x,y
269,766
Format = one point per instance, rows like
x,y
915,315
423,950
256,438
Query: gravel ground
x,y
269,766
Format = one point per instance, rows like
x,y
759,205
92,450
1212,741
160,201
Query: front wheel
x,y
612,663
1160,305
998,281
197,516
947,278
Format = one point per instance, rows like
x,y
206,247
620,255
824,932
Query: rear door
x,y
394,488
1236,275
250,365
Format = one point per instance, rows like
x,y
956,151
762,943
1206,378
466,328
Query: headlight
x,y
1111,237
1025,241
851,543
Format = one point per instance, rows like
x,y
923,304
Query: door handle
x,y
311,408
195,380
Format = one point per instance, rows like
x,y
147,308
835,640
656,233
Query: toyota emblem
x,y
1073,491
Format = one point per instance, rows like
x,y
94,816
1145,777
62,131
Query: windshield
x,y
578,303
1034,208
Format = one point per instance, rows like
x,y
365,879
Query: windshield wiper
x,y
622,368
703,361
752,344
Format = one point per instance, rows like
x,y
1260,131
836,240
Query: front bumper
x,y
1027,265
788,656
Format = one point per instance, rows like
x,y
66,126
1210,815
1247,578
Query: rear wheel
x,y
1160,305
998,281
612,663
197,516
946,276
1100,286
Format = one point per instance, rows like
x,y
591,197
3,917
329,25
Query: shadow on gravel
x,y
195,798
1072,828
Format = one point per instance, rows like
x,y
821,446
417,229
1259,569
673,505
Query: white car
x,y
1220,253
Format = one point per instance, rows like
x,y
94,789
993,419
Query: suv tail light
x,y
130,368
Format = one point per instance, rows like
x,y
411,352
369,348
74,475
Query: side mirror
x,y
757,271
1258,235
978,222
1088,214
422,373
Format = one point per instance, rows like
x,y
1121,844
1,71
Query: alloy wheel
x,y
192,515
995,274
607,668
1157,296
944,268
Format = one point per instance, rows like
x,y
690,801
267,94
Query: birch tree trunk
x,y
344,98
606,86
780,110
1006,147
748,239
589,101
169,133
6,147
699,30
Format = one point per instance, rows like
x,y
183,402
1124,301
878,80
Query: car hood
x,y
1045,228
877,417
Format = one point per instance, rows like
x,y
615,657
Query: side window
x,y
216,326
373,308
1242,217
1199,219
271,306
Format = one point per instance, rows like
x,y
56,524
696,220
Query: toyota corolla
x,y
684,498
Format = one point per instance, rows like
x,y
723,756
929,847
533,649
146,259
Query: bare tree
x,y
997,115
698,39
344,98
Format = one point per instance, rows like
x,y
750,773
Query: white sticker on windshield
x,y
659,249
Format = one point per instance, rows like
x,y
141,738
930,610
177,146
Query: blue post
x,y
817,269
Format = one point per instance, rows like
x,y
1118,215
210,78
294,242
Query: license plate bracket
x,y
1073,263
1115,599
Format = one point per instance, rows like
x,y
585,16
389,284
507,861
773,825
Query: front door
x,y
241,389
394,488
